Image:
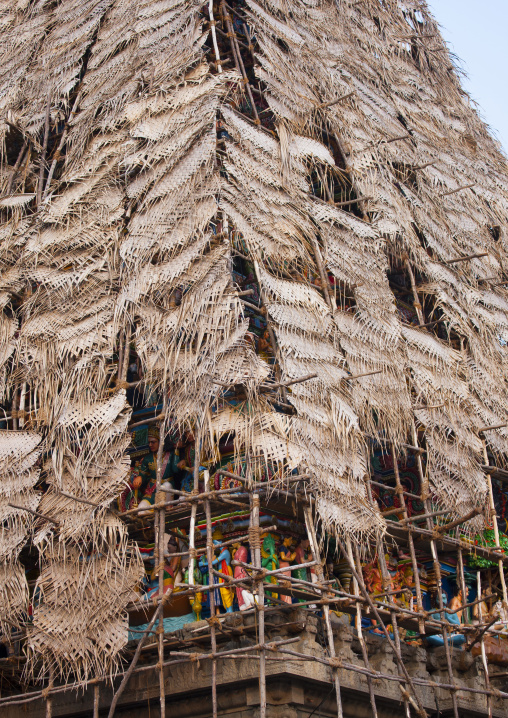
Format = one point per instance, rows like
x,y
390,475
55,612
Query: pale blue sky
x,y
477,31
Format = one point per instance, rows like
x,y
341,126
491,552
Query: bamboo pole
x,y
43,153
322,273
58,152
213,639
391,602
21,409
159,520
482,645
194,507
96,697
49,701
373,608
311,532
493,518
16,167
214,37
135,658
238,59
361,639
255,547
412,552
416,298
437,571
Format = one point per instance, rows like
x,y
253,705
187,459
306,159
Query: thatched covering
x,y
112,187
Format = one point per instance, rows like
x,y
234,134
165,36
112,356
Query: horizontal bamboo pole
x,y
491,428
458,522
459,189
394,490
335,102
76,498
359,376
391,677
419,517
35,513
152,420
396,139
290,382
351,201
422,167
469,256
452,542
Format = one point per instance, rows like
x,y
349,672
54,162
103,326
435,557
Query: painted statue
x,y
454,639
286,558
146,480
222,562
269,559
245,598
196,601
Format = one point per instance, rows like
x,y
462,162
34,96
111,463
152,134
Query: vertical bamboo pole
x,y
482,645
412,552
194,508
214,36
416,298
494,522
58,152
21,411
323,274
437,570
159,521
14,407
311,532
49,701
124,368
120,354
359,630
255,546
386,587
238,59
211,579
43,153
16,167
460,562
375,612
96,696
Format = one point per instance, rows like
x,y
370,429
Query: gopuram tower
x,y
253,364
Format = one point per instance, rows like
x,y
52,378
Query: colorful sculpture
x,y
454,639
269,559
245,598
196,601
286,556
146,480
224,595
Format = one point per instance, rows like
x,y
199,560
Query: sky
x,y
476,31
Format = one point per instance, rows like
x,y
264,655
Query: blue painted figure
x,y
454,639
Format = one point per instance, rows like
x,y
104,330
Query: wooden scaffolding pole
x,y
255,547
374,610
493,518
311,532
159,521
211,579
361,638
437,569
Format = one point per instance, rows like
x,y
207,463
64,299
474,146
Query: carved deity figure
x,y
286,558
245,598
